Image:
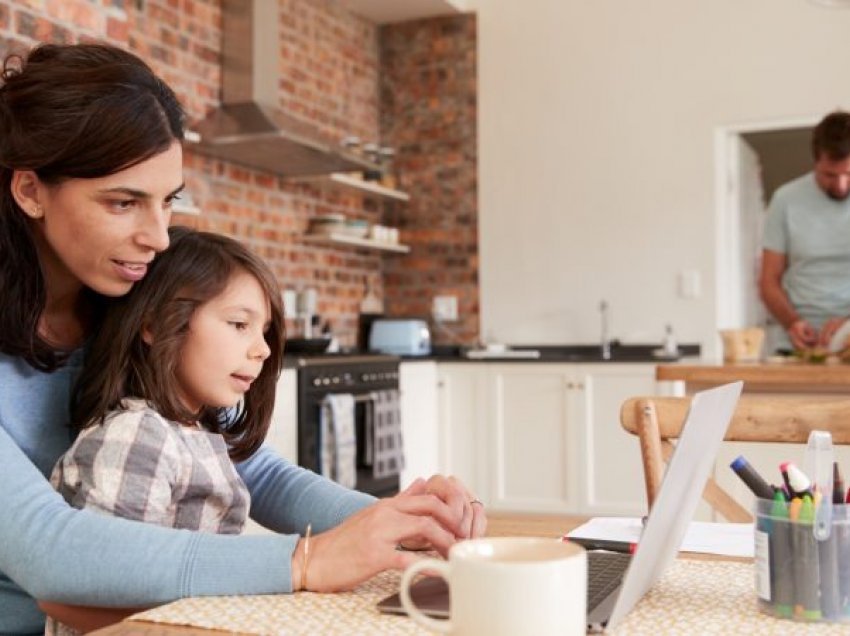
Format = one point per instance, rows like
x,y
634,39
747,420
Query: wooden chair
x,y
656,420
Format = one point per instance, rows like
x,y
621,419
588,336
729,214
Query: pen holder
x,y
799,576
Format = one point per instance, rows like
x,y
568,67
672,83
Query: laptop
x,y
616,582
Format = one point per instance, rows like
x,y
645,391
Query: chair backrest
x,y
656,420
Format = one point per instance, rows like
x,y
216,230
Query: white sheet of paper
x,y
728,539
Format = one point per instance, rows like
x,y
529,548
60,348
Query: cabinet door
x,y
283,430
420,435
534,466
613,472
462,451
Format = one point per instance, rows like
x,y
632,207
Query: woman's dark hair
x,y
831,137
196,267
68,112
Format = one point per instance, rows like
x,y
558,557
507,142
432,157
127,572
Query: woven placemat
x,y
694,597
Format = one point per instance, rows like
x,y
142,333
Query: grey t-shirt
x,y
813,231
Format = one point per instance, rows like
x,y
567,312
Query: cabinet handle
x,y
580,386
570,385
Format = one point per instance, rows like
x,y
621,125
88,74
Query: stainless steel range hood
x,y
249,128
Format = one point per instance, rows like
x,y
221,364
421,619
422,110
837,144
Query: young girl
x,y
201,333
178,382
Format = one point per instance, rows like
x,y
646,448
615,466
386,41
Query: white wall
x,y
596,158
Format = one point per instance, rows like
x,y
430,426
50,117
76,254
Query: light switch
x,y
689,284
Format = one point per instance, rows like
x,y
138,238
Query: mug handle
x,y
444,570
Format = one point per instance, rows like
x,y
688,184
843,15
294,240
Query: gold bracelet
x,y
306,558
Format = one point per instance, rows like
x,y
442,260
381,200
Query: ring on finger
x,y
476,501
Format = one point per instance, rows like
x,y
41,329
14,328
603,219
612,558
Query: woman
x,y
90,163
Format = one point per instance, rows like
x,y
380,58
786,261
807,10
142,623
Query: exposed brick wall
x,y
428,108
329,75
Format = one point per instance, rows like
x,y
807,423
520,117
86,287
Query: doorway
x,y
752,160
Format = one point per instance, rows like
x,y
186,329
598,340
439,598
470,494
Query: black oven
x,y
359,375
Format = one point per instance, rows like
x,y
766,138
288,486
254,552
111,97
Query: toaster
x,y
400,337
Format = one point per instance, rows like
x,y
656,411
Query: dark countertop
x,y
620,353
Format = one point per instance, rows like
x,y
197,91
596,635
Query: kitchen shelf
x,y
191,210
355,241
369,188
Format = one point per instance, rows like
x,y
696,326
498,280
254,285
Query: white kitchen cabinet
x,y
544,437
462,402
283,431
532,437
419,430
612,475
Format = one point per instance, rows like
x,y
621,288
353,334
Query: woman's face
x,y
103,232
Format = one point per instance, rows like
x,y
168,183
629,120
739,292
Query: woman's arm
x,y
286,498
60,554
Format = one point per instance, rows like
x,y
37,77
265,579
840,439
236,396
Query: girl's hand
x,y
435,513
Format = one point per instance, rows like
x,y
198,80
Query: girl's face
x,y
103,232
224,351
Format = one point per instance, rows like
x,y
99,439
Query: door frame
x,y
727,161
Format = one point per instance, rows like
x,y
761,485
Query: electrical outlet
x,y
444,308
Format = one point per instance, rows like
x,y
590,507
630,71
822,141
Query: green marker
x,y
781,557
806,567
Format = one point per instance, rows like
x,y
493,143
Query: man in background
x,y
805,271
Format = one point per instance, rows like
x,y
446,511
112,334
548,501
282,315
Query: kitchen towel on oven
x,y
383,427
337,439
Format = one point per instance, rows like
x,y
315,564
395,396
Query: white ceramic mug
x,y
508,586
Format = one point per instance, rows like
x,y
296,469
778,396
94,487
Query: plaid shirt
x,y
138,465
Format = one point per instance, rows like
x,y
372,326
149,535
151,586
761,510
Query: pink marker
x,y
795,479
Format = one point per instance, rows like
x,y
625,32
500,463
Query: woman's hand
x,y
473,520
435,513
466,507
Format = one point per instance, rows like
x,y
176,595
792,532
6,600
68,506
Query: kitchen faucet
x,y
606,339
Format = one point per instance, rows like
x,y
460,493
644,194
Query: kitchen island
x,y
787,377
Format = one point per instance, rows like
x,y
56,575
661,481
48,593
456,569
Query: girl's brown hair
x,y
74,111
195,268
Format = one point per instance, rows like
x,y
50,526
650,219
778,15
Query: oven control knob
x,y
317,381
326,381
335,379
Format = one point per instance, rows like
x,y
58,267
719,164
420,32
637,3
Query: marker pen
x,y
759,487
796,480
781,558
837,485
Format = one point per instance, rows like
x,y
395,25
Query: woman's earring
x,y
35,212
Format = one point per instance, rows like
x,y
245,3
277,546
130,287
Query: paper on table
x,y
728,539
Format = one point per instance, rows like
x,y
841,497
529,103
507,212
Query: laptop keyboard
x,y
605,571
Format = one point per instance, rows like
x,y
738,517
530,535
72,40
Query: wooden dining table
x,y
499,525
694,596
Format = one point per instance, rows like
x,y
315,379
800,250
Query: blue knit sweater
x,y
51,551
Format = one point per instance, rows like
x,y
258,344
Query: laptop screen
x,y
681,491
